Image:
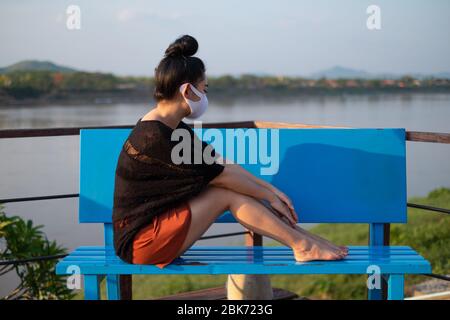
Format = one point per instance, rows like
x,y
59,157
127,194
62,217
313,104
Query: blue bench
x,y
332,175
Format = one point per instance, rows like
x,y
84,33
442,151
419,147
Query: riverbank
x,y
220,96
29,87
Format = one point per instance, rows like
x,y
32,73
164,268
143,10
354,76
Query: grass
x,y
426,232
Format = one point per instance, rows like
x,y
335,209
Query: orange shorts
x,y
159,242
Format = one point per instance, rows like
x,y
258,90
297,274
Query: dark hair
x,y
177,67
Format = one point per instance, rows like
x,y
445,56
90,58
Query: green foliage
x,y
20,239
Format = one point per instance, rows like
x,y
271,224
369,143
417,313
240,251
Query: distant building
x,y
388,83
351,84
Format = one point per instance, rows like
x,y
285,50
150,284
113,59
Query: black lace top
x,y
148,182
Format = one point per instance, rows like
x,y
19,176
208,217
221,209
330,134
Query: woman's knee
x,y
229,197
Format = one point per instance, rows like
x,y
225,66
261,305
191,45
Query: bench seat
x,y
100,260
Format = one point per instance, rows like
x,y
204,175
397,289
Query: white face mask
x,y
197,107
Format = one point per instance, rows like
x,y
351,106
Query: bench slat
x,y
244,260
402,255
268,248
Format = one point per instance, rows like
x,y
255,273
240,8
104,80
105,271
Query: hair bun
x,y
183,46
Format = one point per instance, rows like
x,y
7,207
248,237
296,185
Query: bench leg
x,y
91,287
379,294
112,287
396,284
375,294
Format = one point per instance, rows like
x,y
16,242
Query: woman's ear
x,y
184,90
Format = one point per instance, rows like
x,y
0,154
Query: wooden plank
x,y
71,131
235,124
435,137
52,132
219,293
287,125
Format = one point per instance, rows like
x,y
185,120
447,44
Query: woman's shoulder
x,y
148,133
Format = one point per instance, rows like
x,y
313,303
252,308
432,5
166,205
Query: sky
x,y
279,37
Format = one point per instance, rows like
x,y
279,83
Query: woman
x,y
161,207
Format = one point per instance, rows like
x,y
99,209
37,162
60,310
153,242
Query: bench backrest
x,y
332,175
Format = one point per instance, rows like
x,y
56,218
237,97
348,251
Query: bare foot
x,y
331,246
310,249
313,245
342,249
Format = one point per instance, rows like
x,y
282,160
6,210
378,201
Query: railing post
x,y
386,242
253,239
126,286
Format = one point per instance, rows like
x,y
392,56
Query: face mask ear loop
x,y
196,91
193,89
182,87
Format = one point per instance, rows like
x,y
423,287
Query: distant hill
x,y
338,72
35,65
442,75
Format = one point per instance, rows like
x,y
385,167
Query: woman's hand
x,y
271,188
282,209
283,197
236,178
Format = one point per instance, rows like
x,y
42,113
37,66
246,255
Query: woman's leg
x,y
252,214
343,249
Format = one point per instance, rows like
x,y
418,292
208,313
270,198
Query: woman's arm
x,y
234,179
239,169
231,179
283,197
